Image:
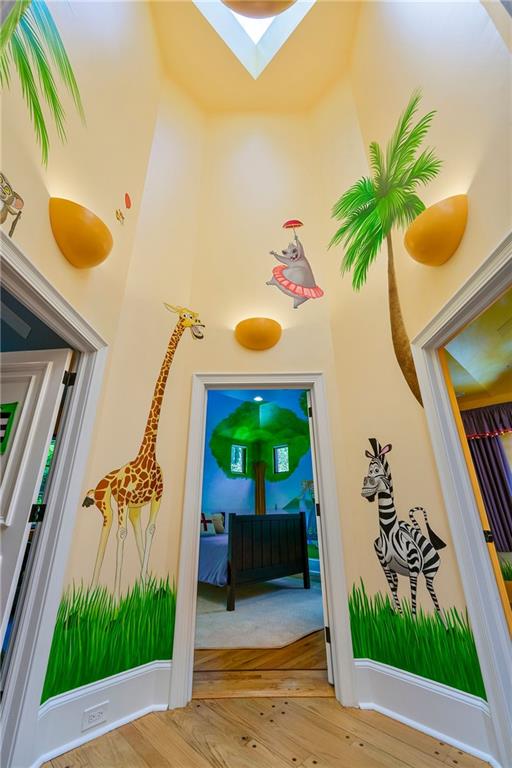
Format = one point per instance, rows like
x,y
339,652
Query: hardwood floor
x,y
254,683
306,653
298,669
265,733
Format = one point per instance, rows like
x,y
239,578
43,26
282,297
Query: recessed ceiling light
x,y
258,399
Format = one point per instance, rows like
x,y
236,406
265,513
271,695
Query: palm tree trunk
x,y
401,343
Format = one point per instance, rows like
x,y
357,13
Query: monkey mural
x,y
10,203
294,275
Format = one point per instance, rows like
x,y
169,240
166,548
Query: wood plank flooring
x,y
306,653
297,669
255,683
265,733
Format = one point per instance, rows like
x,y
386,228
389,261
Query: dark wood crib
x,y
264,547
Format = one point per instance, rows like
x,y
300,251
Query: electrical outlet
x,y
94,715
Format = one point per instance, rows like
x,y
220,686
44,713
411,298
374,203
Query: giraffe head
x,y
188,319
379,475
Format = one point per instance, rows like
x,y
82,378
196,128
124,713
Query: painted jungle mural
x,y
100,632
439,645
372,207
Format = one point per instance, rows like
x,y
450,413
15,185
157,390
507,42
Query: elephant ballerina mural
x,y
139,482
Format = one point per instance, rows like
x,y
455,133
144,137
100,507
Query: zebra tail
x,y
436,542
89,499
413,519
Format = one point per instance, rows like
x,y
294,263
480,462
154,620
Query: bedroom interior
x,y
259,580
479,368
262,230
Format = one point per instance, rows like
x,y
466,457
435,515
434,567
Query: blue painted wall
x,y
223,494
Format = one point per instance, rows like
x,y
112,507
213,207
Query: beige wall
x,y
109,51
166,244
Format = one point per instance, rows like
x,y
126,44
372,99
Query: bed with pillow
x,y
256,548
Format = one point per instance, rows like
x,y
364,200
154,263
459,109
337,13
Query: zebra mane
x,y
379,453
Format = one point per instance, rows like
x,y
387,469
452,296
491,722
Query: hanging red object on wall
x,y
127,201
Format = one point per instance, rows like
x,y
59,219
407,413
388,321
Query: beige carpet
x,y
268,615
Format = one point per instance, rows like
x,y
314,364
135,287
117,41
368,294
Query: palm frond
x,y
411,142
358,195
44,21
363,251
29,91
377,164
402,129
353,225
389,207
35,48
424,169
5,68
411,208
11,16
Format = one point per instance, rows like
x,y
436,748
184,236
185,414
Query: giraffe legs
x,y
105,508
150,530
121,536
134,515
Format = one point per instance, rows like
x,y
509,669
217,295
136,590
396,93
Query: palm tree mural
x,y
30,43
370,209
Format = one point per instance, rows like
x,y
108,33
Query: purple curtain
x,y
483,427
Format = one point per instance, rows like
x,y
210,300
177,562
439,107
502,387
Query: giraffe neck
x,y
148,444
387,511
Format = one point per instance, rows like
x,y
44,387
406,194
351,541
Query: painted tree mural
x,y
31,44
372,207
259,428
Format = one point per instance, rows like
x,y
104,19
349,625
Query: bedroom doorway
x,y
262,617
308,560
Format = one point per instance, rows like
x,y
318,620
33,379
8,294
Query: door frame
x,y
25,678
336,589
488,620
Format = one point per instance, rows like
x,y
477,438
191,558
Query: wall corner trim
x,y
447,714
130,695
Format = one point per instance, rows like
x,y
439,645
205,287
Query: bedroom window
x,y
281,459
238,459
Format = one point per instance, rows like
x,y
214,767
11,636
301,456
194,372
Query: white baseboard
x,y
130,695
447,714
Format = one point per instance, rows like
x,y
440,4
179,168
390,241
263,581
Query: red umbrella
x,y
293,224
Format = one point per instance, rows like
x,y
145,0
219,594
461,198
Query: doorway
x,y
262,614
36,367
34,618
486,608
329,535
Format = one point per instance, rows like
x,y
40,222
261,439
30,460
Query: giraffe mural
x,y
139,482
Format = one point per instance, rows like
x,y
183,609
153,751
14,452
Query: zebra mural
x,y
402,548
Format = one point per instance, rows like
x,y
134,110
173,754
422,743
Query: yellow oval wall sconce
x,y
258,333
84,239
434,235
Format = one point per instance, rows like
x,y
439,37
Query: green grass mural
x,y
419,644
97,636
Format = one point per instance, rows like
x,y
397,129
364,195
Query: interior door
x,y
323,581
31,391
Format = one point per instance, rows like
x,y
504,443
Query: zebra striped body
x,y
402,548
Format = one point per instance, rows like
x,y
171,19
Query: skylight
x,y
255,28
254,42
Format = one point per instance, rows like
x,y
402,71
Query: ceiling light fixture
x,y
258,9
